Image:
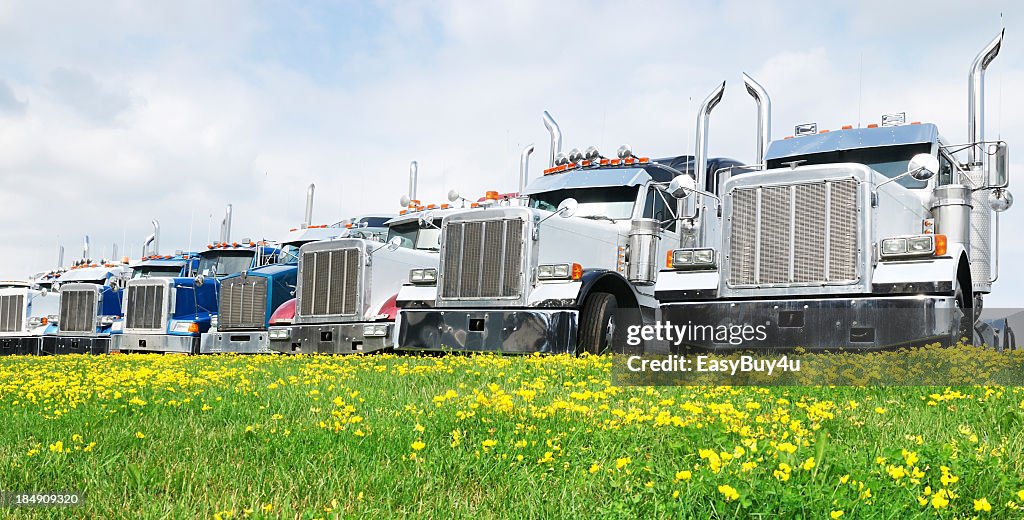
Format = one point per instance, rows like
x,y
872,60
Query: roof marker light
x,y
873,125
847,127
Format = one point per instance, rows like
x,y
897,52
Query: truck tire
x,y
598,333
965,325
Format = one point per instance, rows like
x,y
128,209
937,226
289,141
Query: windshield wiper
x,y
599,217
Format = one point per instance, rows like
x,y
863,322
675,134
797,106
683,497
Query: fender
x,y
925,276
284,314
604,280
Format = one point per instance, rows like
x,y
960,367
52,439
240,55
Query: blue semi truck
x,y
169,314
247,299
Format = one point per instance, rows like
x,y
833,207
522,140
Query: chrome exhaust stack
x,y
414,171
700,153
153,239
60,256
976,99
556,137
225,225
85,248
981,213
764,116
308,221
524,167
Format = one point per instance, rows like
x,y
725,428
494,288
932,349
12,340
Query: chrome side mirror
x,y
394,244
1001,168
200,280
681,185
1000,200
453,196
404,201
567,208
923,166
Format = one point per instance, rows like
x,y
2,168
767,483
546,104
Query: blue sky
x,y
111,117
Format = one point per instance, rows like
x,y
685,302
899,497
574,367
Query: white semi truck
x,y
347,287
859,238
561,272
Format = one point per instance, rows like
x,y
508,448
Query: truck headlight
x,y
375,330
107,320
34,321
185,326
214,321
281,333
913,246
691,258
559,272
423,276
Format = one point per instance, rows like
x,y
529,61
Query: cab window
x,y
657,206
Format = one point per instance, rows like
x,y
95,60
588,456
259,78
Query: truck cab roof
x,y
851,139
887,149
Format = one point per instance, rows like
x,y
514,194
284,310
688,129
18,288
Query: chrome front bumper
x,y
239,342
856,324
334,338
24,345
156,343
78,345
513,331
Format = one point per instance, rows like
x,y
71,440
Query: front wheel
x,y
598,331
965,317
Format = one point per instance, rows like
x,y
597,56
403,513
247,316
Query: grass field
x,y
381,436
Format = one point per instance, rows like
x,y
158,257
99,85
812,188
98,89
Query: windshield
x,y
415,237
223,263
611,202
887,160
156,271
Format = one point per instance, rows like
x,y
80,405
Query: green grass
x,y
312,437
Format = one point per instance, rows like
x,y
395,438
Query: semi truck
x,y
169,315
247,299
28,318
348,287
858,238
563,272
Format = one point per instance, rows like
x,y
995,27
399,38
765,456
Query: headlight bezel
x,y
912,246
692,258
423,276
375,330
559,271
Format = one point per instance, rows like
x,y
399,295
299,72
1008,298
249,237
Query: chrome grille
x,y
329,284
77,309
12,312
794,234
243,303
482,259
145,307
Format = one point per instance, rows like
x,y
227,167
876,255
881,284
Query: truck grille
x,y
12,312
798,234
77,309
482,259
329,284
243,303
145,307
